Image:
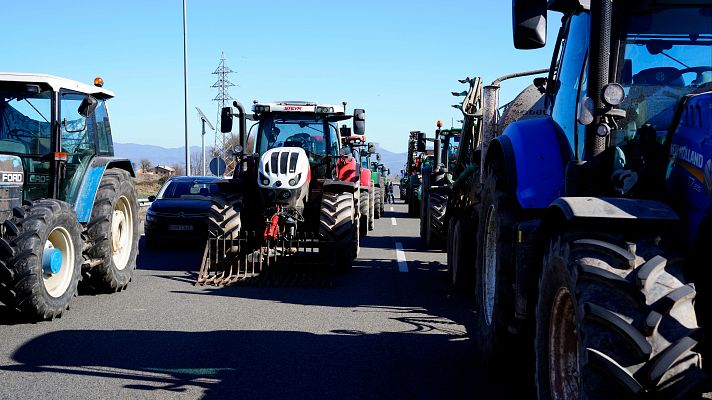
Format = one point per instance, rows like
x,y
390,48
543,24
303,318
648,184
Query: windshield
x,y
312,134
667,54
187,190
25,121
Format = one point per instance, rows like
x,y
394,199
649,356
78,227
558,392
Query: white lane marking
x,y
393,221
391,208
400,256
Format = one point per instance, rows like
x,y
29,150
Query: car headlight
x,y
150,217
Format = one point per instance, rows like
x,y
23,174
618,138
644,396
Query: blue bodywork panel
x,y
540,151
90,184
689,179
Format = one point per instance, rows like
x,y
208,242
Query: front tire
x,y
460,253
614,319
31,281
336,228
437,206
377,203
493,284
112,234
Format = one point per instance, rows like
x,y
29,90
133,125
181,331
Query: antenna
x,y
204,120
222,140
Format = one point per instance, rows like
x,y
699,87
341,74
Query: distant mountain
x,y
393,161
156,154
176,155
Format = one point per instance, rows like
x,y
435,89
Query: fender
x,y
333,186
535,154
90,183
532,236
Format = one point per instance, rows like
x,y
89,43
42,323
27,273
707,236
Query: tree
x,y
196,163
179,169
145,165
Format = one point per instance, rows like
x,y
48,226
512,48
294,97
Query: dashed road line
x,y
391,208
400,256
393,221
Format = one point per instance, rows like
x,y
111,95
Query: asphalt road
x,y
387,329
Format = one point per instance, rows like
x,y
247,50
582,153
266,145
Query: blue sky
x,y
397,59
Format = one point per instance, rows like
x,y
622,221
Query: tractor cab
x,y
55,126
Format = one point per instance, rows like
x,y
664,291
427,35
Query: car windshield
x,y
187,190
312,134
25,116
667,54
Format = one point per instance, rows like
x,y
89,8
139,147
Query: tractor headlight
x,y
613,94
295,180
264,180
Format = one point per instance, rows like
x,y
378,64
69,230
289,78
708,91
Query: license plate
x,y
180,227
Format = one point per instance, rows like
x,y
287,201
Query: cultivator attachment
x,y
250,260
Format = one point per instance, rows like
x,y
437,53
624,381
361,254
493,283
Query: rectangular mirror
x,y
359,121
529,24
226,120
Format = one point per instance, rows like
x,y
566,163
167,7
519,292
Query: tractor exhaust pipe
x,y
599,53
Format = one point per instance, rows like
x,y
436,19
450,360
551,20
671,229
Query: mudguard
x,y
90,183
333,186
535,154
611,208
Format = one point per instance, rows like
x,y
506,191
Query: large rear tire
x,y
371,208
494,269
614,319
31,281
377,203
364,210
112,234
337,230
437,206
461,253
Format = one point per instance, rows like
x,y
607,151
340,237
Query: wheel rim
x,y
57,284
563,348
489,285
121,232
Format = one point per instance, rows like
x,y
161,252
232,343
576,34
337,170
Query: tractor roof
x,y
298,107
56,83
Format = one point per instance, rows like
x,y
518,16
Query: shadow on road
x,y
263,364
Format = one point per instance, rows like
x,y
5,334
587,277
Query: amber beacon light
x,y
98,82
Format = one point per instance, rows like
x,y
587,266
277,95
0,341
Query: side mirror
x,y
421,142
529,24
151,198
359,121
378,156
226,120
371,148
87,107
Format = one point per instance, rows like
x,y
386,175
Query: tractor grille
x,y
282,162
10,197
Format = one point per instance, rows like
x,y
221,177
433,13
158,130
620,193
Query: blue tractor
x,y
68,208
595,219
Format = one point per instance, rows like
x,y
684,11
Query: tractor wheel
x,y
437,205
377,202
112,234
41,259
614,320
382,201
364,209
371,209
493,279
337,229
424,212
461,253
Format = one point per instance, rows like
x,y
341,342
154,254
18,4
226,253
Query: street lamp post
x,y
185,87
